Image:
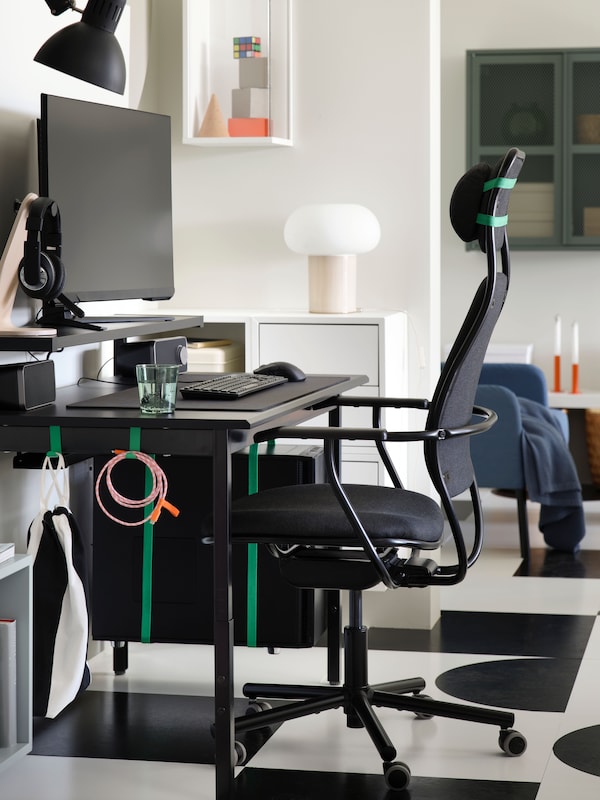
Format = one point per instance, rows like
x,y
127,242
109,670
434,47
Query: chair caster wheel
x,y
256,706
397,775
512,742
241,754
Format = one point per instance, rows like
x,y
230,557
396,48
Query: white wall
x,y
25,27
366,110
543,283
366,131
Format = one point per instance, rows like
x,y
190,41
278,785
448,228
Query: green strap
x,y
491,221
55,441
147,556
488,219
135,439
135,443
499,183
252,591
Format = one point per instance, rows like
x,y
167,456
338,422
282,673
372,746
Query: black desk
x,y
218,432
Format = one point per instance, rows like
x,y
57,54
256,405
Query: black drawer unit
x,y
182,587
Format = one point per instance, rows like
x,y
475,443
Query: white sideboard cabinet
x,y
372,343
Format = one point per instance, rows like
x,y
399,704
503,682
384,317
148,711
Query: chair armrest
x,y
357,401
334,433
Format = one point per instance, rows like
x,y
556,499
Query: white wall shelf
x,y
16,595
209,67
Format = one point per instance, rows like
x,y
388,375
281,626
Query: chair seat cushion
x,y
311,514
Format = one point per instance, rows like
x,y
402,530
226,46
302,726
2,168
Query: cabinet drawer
x,y
320,348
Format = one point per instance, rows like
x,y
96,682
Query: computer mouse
x,y
283,368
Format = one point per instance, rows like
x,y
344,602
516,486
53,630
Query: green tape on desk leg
x,y
55,441
135,439
252,591
147,559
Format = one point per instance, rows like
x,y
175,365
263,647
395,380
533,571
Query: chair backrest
x,y
478,210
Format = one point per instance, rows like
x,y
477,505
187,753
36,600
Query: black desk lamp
x,y
88,49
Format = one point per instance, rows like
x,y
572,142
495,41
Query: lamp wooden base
x,y
332,284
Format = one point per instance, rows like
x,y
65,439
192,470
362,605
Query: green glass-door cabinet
x,y
547,102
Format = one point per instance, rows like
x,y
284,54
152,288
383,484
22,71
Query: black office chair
x,y
353,537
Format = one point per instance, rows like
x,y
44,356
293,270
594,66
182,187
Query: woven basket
x,y
592,438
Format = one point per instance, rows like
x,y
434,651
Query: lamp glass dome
x,y
331,229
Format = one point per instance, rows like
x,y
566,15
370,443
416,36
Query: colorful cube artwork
x,y
246,46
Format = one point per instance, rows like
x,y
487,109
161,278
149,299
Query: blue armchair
x,y
497,455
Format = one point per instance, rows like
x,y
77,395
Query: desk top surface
x,y
188,430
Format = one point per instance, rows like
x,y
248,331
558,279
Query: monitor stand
x,y
67,315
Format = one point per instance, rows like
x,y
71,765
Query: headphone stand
x,y
9,267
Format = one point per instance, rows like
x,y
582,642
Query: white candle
x,y
557,335
575,343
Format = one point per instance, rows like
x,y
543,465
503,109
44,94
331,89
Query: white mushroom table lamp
x,y
332,235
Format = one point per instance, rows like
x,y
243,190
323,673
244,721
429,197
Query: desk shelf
x,y
74,337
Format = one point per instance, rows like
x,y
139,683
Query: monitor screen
x,y
109,170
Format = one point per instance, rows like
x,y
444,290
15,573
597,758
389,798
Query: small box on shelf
x,y
254,73
250,102
248,126
591,221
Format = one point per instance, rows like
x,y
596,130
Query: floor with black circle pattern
x,y
529,643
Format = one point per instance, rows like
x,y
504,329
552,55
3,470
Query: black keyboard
x,y
229,386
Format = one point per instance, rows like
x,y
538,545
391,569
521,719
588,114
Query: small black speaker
x,y
27,385
171,350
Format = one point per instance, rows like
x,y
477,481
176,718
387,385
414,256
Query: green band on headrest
x,y
491,221
499,183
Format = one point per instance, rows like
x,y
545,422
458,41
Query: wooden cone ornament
x,y
214,123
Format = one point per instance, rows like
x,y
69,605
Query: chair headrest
x,y
466,201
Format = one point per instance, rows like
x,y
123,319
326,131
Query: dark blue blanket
x,y
551,478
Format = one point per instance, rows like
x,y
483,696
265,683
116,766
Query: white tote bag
x,y
60,598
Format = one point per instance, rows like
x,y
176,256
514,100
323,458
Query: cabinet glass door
x,y
515,102
582,151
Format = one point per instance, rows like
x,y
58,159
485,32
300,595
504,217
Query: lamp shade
x,y
88,49
332,229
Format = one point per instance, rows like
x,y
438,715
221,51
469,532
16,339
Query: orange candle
x,y
557,345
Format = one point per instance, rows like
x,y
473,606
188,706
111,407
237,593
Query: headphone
x,y
41,272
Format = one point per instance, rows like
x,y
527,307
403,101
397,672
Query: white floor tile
x,y
97,779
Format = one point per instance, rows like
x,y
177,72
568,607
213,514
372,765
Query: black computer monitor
x,y
109,170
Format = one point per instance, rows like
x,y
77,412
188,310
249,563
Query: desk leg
x,y
223,618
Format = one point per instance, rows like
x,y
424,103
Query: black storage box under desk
x,y
182,589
